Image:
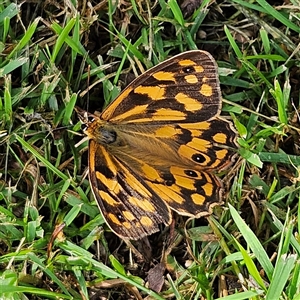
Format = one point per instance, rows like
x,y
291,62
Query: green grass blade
x,y
25,39
253,243
41,158
61,38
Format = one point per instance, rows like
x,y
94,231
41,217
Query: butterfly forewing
x,y
130,209
184,88
159,145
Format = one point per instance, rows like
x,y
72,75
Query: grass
x,y
57,56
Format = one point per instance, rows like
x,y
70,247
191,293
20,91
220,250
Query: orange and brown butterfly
x,y
157,147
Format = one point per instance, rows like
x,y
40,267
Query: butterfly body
x,y
158,145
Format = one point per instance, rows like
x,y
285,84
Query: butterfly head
x,y
95,128
84,116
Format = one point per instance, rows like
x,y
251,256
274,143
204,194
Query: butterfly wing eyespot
x,y
159,145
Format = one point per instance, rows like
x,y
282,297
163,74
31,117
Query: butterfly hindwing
x,y
207,145
188,192
177,165
204,145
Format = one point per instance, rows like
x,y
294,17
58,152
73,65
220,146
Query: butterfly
x,y
158,146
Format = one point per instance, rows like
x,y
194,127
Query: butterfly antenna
x,y
88,86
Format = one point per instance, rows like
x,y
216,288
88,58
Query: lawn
x,y
58,55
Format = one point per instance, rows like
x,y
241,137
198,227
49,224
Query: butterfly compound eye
x,y
83,127
90,119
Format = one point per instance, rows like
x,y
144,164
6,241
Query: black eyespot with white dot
x,y
120,217
198,158
189,70
191,173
